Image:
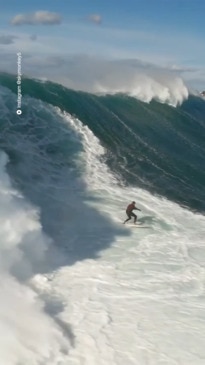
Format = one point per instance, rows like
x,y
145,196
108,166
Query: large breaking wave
x,y
76,285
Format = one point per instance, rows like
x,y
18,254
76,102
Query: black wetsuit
x,y
130,214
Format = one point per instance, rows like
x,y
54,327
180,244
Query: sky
x,y
54,35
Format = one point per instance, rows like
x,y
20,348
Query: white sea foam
x,y
28,334
142,301
144,85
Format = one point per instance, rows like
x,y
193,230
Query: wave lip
x,y
144,81
146,88
132,77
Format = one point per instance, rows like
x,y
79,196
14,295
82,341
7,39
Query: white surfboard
x,y
137,225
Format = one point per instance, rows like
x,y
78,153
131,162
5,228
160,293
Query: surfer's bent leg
x,y
129,217
135,217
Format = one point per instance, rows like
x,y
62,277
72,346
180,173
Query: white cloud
x,y
95,18
39,17
83,72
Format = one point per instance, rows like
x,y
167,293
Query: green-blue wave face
x,y
154,146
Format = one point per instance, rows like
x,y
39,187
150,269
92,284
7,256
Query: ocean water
x,y
77,286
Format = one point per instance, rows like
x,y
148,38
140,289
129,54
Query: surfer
x,y
129,212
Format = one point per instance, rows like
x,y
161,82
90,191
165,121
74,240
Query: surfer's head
x,y
133,202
